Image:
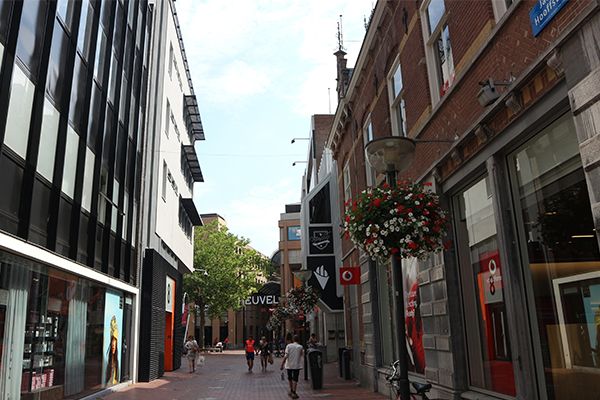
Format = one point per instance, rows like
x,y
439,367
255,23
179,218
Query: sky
x,y
260,69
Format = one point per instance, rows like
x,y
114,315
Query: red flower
x,y
347,218
394,250
427,184
413,245
447,244
377,202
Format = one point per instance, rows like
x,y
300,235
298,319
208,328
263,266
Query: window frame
x,y
397,102
430,38
371,174
347,180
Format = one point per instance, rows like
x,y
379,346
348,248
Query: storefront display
x,y
561,259
53,347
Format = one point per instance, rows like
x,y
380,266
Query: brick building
x,y
512,88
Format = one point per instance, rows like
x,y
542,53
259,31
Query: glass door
x,y
561,260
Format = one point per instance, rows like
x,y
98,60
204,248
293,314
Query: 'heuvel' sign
x,y
543,12
256,300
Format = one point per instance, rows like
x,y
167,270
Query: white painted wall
x,y
167,216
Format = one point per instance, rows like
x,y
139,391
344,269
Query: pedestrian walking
x,y
250,352
192,349
225,343
293,361
264,349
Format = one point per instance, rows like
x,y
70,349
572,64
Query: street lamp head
x,y
390,154
303,274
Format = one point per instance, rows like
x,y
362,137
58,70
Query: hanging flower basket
x,y
302,298
405,221
300,301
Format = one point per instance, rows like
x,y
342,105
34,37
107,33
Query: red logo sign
x,y
350,275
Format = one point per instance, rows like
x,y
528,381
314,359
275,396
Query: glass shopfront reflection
x,y
562,259
488,344
52,332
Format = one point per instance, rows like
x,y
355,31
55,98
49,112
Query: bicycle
x,y
421,389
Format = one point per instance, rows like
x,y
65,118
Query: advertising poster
x,y
414,325
113,323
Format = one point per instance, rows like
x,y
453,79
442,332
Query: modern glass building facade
x,y
71,127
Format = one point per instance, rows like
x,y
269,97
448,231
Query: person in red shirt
x,y
250,353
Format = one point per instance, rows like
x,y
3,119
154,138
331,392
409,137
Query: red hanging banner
x,y
350,275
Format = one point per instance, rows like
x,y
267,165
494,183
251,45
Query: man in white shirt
x,y
293,362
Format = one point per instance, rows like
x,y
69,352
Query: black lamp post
x,y
391,155
304,275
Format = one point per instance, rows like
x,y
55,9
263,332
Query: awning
x,y
190,209
189,152
191,113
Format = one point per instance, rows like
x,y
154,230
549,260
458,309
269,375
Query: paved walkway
x,y
225,377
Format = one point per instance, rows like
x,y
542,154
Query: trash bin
x,y
346,356
315,360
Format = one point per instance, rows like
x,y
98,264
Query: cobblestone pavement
x,y
225,376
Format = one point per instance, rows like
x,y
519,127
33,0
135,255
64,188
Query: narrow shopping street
x,y
225,376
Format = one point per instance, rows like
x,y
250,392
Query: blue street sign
x,y
543,12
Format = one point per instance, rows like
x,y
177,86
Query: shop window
x,y
385,306
367,137
486,324
397,104
84,38
48,137
16,134
31,34
561,259
438,49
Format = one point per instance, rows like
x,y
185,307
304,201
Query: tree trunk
x,y
201,308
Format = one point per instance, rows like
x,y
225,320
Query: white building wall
x,y
173,134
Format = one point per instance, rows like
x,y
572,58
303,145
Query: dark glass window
x,y
128,53
130,167
39,213
59,54
108,136
118,32
131,12
64,227
5,15
76,109
106,8
113,76
320,207
98,248
65,10
11,177
111,254
121,151
94,121
83,238
100,57
84,38
31,34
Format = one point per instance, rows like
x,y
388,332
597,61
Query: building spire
x,y
340,34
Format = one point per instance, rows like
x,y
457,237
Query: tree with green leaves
x,y
225,271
